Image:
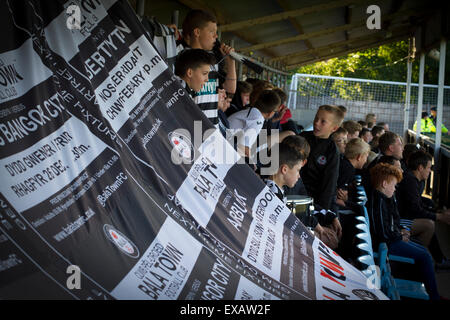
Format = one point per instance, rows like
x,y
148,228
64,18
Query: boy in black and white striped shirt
x,y
192,69
200,32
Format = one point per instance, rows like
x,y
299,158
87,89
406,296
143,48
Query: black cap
x,y
433,109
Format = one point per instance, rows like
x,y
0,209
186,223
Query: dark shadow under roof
x,y
287,34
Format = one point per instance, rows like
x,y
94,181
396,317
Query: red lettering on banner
x,y
326,275
332,266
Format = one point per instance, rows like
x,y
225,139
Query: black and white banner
x,y
107,167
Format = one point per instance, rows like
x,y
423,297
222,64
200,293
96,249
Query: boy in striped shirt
x,y
200,32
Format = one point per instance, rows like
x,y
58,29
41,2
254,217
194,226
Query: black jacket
x,y
384,218
346,173
346,181
410,202
320,173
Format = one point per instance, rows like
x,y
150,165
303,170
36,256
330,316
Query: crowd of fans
x,y
321,163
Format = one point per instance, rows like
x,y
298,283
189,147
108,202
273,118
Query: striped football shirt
x,y
207,98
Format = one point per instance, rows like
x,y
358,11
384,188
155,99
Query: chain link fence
x,y
386,99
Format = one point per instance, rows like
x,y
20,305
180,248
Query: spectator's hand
x,y
340,202
174,27
226,50
337,227
281,113
405,234
221,103
318,230
342,194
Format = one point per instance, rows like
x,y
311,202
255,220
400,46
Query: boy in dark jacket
x,y
355,156
320,173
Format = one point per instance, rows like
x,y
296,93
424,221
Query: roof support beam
x,y
285,15
327,31
395,6
379,35
297,26
347,18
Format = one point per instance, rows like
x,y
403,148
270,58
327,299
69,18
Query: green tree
x,y
387,62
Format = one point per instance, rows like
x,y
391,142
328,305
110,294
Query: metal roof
x,y
290,33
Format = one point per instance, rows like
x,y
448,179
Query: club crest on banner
x,y
121,242
182,147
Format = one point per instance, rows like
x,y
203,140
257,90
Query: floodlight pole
x,y
440,102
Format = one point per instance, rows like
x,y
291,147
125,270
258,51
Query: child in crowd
x,y
340,138
274,122
284,115
258,87
366,135
287,123
327,235
377,132
241,98
320,173
385,224
290,161
281,109
363,124
371,120
391,160
247,124
355,156
384,125
389,144
200,32
192,68
343,109
353,128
